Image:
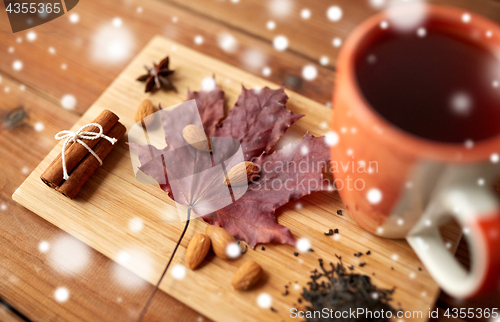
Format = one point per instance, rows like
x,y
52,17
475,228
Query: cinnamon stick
x,y
89,164
53,175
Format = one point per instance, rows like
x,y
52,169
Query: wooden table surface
x,y
67,63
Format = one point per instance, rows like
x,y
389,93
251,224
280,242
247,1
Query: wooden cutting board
x,y
101,214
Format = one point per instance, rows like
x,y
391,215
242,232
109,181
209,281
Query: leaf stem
x,y
144,310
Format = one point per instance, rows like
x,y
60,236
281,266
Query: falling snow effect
x,y
494,158
43,247
140,261
69,255
377,4
178,272
395,257
52,50
254,59
324,60
303,245
374,196
31,36
266,71
309,72
3,207
384,24
117,22
305,14
68,102
334,13
304,150
135,225
264,300
411,19
331,138
281,8
17,65
280,43
61,294
123,257
421,32
466,17
208,84
233,250
227,42
461,104
469,144
64,66
39,126
198,40
480,182
271,25
337,42
74,18
112,45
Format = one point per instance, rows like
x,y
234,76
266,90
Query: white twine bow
x,y
71,136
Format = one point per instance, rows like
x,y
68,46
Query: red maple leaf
x,y
257,122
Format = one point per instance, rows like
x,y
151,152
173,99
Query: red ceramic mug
x,y
413,183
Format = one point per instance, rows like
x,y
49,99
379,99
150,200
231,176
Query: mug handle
x,y
478,211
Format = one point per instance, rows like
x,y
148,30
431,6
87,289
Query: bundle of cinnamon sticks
x,y
80,163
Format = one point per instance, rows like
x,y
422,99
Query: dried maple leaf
x,y
257,122
210,106
252,218
158,76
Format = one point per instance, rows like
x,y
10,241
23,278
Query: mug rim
x,y
400,139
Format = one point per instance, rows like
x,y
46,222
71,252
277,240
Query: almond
x,y
196,137
242,173
145,109
246,276
220,239
197,250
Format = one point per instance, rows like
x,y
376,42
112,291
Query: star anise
x,y
157,76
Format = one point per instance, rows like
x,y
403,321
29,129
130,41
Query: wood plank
x,y
312,37
100,216
29,277
7,315
95,52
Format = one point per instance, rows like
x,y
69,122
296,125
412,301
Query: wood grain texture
x,y
89,70
7,315
46,82
312,37
29,277
101,214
